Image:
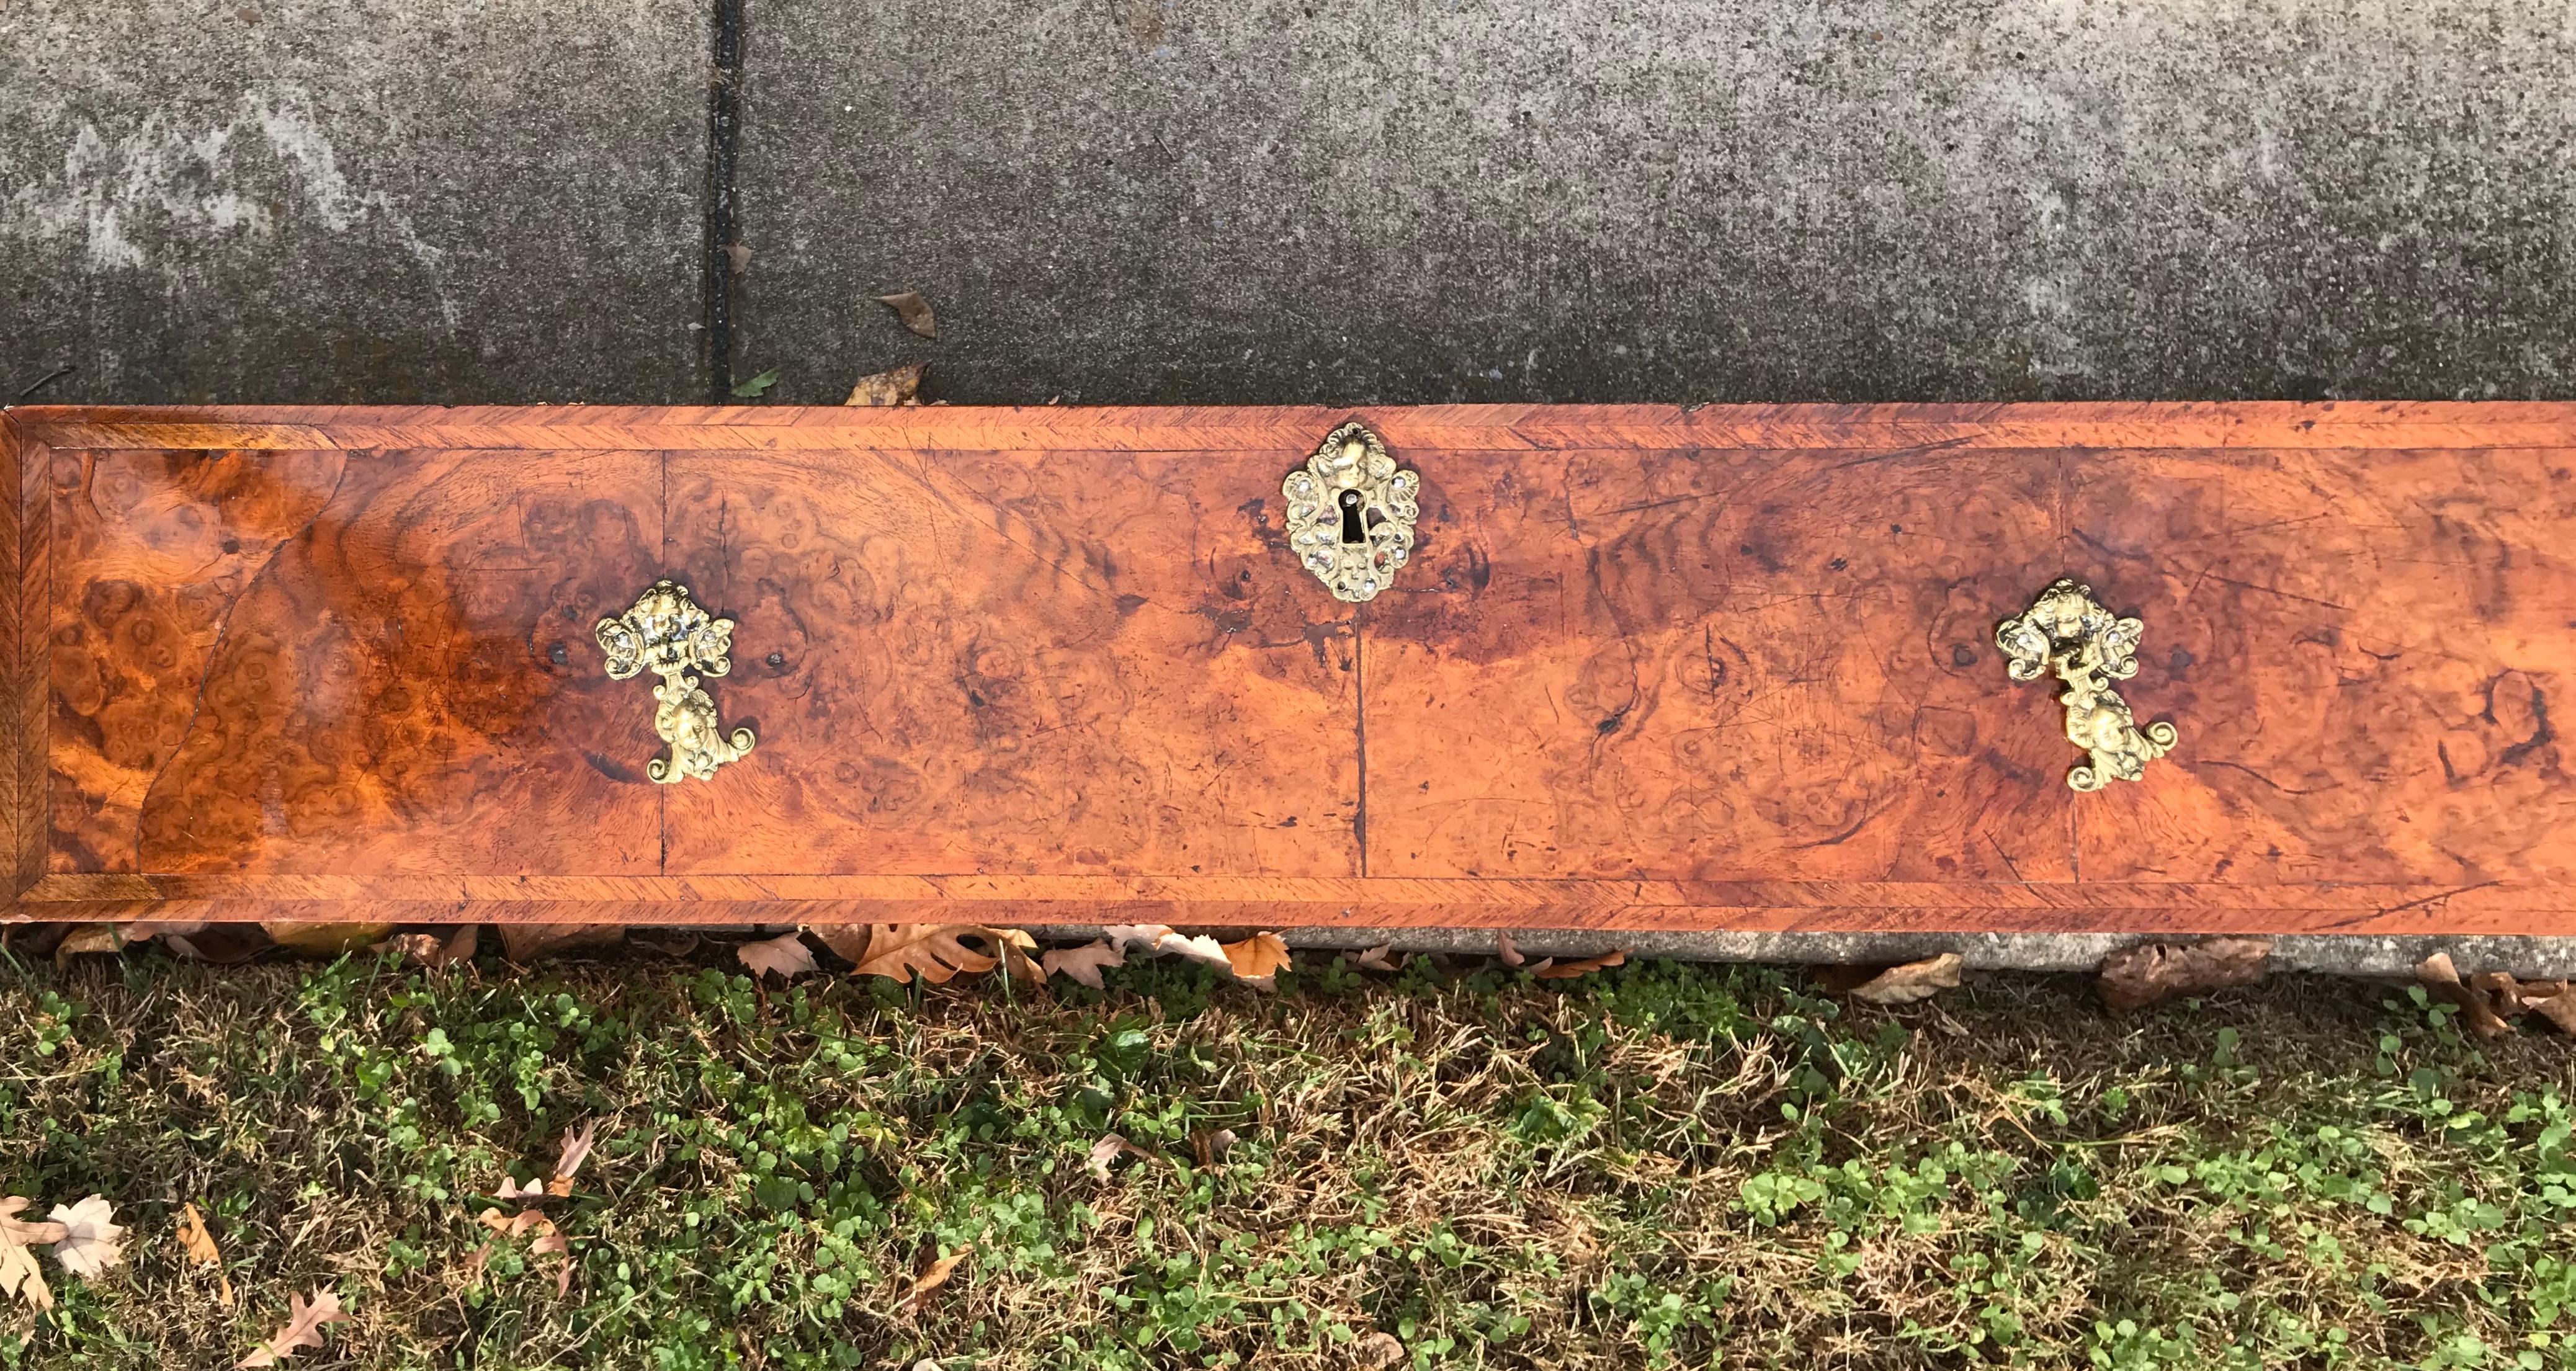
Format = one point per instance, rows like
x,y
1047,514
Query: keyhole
x,y
1353,531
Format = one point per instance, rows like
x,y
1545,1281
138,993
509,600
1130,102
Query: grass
x,y
1663,1165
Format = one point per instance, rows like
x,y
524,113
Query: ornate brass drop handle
x,y
666,633
2088,647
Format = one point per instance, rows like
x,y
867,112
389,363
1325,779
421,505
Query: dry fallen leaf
x,y
1554,970
18,1273
786,956
219,944
935,1276
2560,1010
1258,958
901,386
326,940
438,950
525,943
1210,1144
1375,958
1378,1351
199,1243
1158,940
1912,981
2135,977
89,940
1509,951
1014,945
1082,963
551,1242
576,1150
92,1241
900,951
2442,979
519,1225
913,311
513,1190
303,1329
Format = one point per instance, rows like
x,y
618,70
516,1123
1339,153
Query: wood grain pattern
x,y
1013,662
326,661
25,579
1654,667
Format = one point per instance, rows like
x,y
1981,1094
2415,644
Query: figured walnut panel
x,y
346,662
2362,650
1015,662
1719,665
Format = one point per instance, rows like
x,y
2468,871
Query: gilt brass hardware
x,y
1351,513
665,632
2088,647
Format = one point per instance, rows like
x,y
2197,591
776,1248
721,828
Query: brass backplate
x,y
2088,647
665,632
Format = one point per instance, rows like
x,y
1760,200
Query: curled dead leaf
x,y
2477,1006
2135,977
219,944
784,956
2552,1000
326,940
1506,949
901,386
575,1151
1257,959
1158,940
198,1242
89,940
302,1330
552,1243
1376,958
1554,970
934,1276
437,950
92,1240
913,311
1211,1144
1082,963
1912,981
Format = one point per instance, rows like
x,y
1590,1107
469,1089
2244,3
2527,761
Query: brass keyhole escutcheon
x,y
665,632
2087,647
1350,513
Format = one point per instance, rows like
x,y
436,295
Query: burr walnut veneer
x,y
1647,667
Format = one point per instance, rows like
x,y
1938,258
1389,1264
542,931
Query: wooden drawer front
x,y
1718,668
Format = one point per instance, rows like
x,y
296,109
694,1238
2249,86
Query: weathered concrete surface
x,y
347,200
1430,200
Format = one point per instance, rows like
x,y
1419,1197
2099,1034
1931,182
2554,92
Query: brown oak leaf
x,y
901,386
1376,958
899,952
1082,963
784,956
1506,949
2135,977
303,1329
